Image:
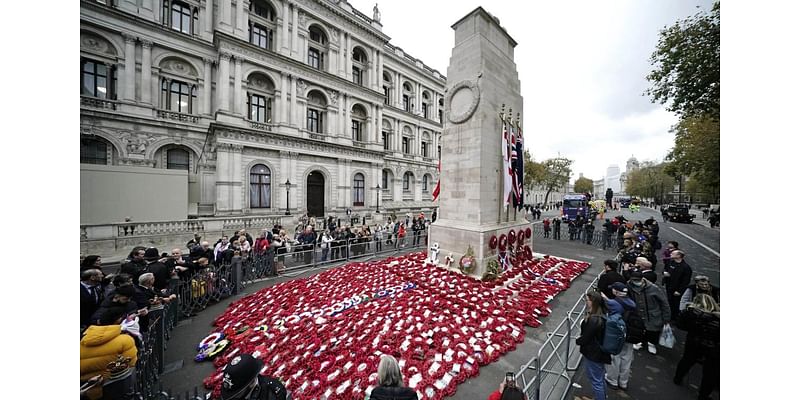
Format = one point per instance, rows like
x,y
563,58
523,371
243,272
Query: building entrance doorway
x,y
315,194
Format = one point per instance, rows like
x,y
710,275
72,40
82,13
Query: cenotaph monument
x,y
482,84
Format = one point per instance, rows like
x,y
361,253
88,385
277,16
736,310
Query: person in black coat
x,y
557,228
390,382
91,294
701,320
135,265
608,277
592,332
157,268
680,277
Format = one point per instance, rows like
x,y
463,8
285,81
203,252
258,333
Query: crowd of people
x,y
629,287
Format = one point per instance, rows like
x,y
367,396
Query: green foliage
x,y
533,171
687,66
650,181
556,174
584,185
697,154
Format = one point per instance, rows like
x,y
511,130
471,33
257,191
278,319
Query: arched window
x,y
260,95
181,17
98,79
315,114
317,47
408,182
387,85
260,186
358,190
178,159
94,151
425,101
359,117
262,24
359,65
407,94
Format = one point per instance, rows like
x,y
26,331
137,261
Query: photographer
x,y
508,390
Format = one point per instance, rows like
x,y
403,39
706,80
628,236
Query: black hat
x,y
238,374
620,287
636,275
151,254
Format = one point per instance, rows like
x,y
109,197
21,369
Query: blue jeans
x,y
596,372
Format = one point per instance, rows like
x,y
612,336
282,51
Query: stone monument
x,y
482,80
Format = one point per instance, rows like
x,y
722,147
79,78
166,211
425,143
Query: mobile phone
x,y
509,378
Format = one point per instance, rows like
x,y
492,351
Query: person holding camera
x,y
508,390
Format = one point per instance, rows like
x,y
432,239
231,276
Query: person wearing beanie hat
x,y
241,380
619,372
652,306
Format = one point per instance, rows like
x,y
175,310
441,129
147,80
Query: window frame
x,y
358,190
313,119
407,182
406,142
173,165
110,78
259,183
93,159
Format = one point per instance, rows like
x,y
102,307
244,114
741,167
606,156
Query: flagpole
x,y
508,148
521,165
502,164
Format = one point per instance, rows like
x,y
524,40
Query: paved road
x,y
649,384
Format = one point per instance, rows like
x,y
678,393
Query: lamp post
x,y
377,198
288,184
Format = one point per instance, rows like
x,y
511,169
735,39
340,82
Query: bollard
x,y
236,274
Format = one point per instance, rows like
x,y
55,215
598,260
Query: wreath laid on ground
x,y
467,262
492,271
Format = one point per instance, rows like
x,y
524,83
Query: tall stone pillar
x,y
482,76
241,18
238,101
379,73
225,20
285,29
373,71
399,91
130,68
147,81
223,82
348,123
207,64
295,37
293,102
208,13
379,125
280,105
348,53
342,54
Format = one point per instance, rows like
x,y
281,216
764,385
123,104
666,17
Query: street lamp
x,y
287,197
377,198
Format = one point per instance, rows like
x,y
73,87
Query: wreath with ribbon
x,y
493,242
512,236
502,242
467,262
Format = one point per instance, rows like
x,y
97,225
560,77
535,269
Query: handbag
x,y
667,339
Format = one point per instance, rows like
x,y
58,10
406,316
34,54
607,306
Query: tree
x,y
687,66
584,185
650,181
556,174
534,172
697,153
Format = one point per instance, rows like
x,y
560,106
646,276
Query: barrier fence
x,y
197,289
551,371
598,238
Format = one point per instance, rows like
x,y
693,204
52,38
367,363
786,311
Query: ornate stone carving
x,y
301,87
96,44
302,19
224,55
336,17
376,14
147,43
137,162
334,96
129,38
178,67
136,143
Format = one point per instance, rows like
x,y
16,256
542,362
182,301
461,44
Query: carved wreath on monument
x,y
462,99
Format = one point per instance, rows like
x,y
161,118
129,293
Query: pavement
x,y
652,374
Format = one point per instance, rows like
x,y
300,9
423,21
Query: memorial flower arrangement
x,y
323,335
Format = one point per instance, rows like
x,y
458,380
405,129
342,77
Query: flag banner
x,y
519,168
508,187
436,190
515,159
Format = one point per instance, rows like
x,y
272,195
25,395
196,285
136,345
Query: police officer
x,y
242,381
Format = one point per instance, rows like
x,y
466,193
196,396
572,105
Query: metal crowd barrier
x,y
552,370
599,237
197,290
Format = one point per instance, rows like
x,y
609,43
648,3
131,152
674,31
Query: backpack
x,y
614,334
634,324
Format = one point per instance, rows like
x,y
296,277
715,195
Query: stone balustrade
x,y
95,102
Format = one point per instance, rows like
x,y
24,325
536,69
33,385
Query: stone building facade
x,y
251,100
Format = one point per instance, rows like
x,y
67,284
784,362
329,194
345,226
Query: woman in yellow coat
x,y
101,344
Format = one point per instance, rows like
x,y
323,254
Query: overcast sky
x,y
582,65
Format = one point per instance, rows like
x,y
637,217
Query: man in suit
x,y
91,294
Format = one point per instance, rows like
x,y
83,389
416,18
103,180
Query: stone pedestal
x,y
482,77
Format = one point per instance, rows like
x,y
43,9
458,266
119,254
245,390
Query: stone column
x,y
348,120
241,18
237,86
223,82
225,19
208,7
295,38
340,119
399,91
418,99
379,125
369,133
207,63
379,74
280,114
342,55
293,101
398,137
373,71
147,81
348,72
285,29
130,67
